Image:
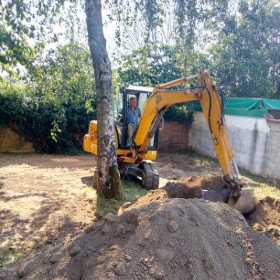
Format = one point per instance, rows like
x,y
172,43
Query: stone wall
x,y
11,142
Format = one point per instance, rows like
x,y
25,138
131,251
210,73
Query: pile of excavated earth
x,y
163,235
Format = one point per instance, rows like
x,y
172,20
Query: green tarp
x,y
271,103
250,107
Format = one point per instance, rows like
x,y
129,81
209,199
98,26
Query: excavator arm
x,y
162,98
212,109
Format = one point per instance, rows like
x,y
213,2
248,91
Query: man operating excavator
x,y
133,115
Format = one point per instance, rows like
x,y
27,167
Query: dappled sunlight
x,y
44,201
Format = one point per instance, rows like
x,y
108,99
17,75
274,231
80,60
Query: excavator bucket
x,y
247,201
245,204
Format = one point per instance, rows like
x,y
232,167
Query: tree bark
x,y
109,183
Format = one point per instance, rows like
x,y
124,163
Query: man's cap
x,y
132,97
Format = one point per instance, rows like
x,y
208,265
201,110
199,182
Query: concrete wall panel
x,y
254,141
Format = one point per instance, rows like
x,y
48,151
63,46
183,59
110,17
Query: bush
x,y
51,127
179,113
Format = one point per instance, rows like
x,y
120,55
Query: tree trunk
x,y
109,183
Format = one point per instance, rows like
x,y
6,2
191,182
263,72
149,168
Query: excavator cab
x,y
121,124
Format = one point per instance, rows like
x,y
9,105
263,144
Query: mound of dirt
x,y
165,239
266,218
176,239
164,236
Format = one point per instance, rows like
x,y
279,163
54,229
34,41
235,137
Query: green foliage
x,y
159,63
12,106
51,129
247,57
150,65
244,39
179,113
24,25
153,21
57,103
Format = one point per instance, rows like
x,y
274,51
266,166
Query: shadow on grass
x,y
131,191
87,180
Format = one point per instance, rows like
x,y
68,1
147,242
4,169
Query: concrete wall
x,y
254,141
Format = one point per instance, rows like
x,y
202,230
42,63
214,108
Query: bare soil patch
x,y
47,211
45,201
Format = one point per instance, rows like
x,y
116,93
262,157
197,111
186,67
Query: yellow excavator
x,y
136,158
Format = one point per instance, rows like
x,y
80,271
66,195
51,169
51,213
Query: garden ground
x,y
47,202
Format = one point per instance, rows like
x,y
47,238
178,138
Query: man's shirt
x,y
133,115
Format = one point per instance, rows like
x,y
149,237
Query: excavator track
x,y
150,176
145,171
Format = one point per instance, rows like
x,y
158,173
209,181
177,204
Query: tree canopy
x,y
239,39
246,59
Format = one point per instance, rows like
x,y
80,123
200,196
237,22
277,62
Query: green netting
x,y
250,107
271,103
243,103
